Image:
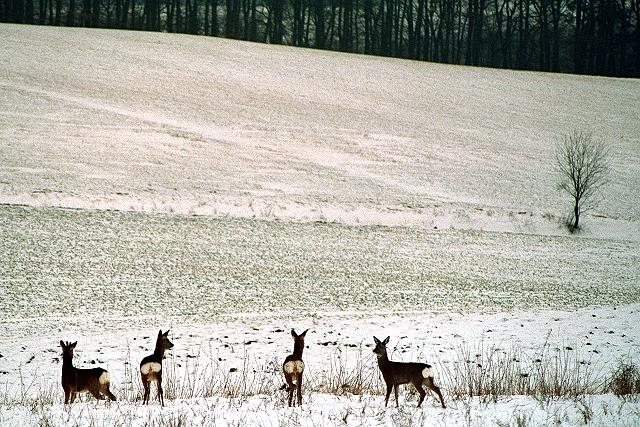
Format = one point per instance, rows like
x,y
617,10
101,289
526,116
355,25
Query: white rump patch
x,y
426,373
149,367
294,366
104,378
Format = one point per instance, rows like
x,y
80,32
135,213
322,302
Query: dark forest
x,y
600,37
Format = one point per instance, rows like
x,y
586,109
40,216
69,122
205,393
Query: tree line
x,y
600,37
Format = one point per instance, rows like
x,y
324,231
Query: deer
x,y
151,367
293,367
96,381
397,373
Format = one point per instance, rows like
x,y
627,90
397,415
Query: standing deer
x,y
293,367
396,373
151,367
74,380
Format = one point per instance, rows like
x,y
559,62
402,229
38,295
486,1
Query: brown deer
x,y
396,373
151,367
293,367
74,380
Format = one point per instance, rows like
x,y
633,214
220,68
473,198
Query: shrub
x,y
625,381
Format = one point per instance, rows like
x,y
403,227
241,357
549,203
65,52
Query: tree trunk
x,y
346,37
368,21
636,43
95,13
411,35
28,12
418,30
215,30
278,21
387,28
253,23
556,14
318,18
58,18
576,215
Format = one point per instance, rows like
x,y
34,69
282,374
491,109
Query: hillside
x,y
210,187
155,122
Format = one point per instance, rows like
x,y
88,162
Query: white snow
x,y
255,346
232,191
172,123
327,410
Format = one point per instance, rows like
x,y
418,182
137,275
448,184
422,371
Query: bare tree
x,y
583,164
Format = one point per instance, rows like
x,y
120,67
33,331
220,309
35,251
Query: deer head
x,y
67,349
298,342
298,336
381,346
163,342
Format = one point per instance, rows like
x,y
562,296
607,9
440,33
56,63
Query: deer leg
x,y
67,395
386,399
395,391
107,392
421,391
432,386
96,394
160,396
73,396
290,388
299,386
147,390
144,389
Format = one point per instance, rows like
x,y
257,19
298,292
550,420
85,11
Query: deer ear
x,y
293,333
303,334
166,334
376,340
72,346
160,333
386,341
61,343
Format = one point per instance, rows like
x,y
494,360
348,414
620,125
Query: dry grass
x,y
625,381
492,372
485,371
348,373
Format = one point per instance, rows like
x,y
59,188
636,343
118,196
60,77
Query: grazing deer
x,y
293,367
396,373
151,367
74,380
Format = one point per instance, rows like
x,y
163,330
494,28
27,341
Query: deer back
x,y
80,379
404,372
85,379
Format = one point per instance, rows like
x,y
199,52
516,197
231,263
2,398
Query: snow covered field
x,y
173,123
232,191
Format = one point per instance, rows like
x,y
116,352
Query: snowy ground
x,y
110,279
597,337
323,410
173,123
232,191
136,265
